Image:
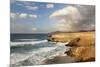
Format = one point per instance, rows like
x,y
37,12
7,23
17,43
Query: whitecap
x,y
27,43
18,57
36,57
27,39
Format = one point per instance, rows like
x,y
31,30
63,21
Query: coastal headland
x,y
82,44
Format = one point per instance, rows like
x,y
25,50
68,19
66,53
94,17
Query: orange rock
x,y
82,53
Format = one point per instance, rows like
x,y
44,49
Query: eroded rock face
x,y
82,44
82,53
74,42
85,38
81,50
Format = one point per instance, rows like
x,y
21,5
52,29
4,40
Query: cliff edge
x,y
82,44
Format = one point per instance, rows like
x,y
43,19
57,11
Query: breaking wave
x,y
27,43
36,57
26,55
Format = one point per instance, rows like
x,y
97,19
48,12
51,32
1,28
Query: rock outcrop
x,y
82,44
81,52
87,37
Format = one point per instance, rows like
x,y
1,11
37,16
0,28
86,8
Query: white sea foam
x,y
35,57
27,43
18,57
58,43
27,39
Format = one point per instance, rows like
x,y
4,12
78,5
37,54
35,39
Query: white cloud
x,y
74,18
23,15
13,15
49,5
34,29
33,16
67,11
20,23
19,4
32,7
27,3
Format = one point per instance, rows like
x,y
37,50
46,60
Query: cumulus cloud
x,y
20,23
23,15
65,11
49,5
34,29
13,15
33,16
75,18
31,7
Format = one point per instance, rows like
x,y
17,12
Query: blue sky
x,y
40,24
40,17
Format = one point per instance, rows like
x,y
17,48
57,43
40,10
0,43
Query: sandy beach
x,y
59,60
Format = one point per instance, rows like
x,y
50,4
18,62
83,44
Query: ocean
x,y
33,49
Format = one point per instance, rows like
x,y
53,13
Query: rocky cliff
x,y
82,44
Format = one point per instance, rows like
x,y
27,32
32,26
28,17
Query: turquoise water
x,y
32,49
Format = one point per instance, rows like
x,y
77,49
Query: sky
x,y
40,17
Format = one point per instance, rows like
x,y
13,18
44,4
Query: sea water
x,y
33,49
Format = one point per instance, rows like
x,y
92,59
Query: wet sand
x,y
59,60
